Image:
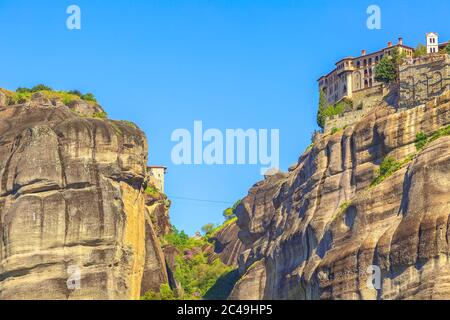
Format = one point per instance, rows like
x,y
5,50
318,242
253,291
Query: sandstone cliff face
x,y
227,244
73,219
157,225
314,232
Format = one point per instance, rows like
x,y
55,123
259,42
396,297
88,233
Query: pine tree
x,y
323,105
388,70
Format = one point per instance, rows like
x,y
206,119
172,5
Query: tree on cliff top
x,y
385,71
421,50
447,48
230,213
388,70
323,105
208,228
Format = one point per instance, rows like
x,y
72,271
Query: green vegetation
x,y
208,228
334,130
440,133
100,115
230,213
36,88
345,104
19,97
342,208
222,226
421,50
200,274
323,104
385,71
165,293
23,94
197,276
152,191
182,241
388,69
85,97
447,48
389,165
89,97
326,111
421,140
198,279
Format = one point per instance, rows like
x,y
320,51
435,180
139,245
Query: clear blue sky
x,y
230,63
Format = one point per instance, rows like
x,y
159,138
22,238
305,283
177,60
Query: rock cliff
x,y
157,225
74,223
227,244
313,233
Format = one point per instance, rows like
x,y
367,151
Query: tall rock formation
x,y
73,216
320,230
227,245
157,225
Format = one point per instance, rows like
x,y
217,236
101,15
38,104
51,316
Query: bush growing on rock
x,y
208,228
89,97
421,140
66,96
165,293
230,213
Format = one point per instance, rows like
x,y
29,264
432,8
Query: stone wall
x,y
343,120
363,101
423,79
369,97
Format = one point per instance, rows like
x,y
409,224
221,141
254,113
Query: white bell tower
x,y
432,42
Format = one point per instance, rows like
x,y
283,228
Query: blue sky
x,y
231,64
